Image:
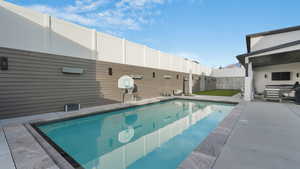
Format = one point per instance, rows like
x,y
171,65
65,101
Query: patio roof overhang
x,y
281,54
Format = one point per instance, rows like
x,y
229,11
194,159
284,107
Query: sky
x,y
209,31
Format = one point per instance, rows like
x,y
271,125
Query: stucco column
x,y
249,94
190,82
202,83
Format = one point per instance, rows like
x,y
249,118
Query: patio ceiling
x,y
281,54
275,59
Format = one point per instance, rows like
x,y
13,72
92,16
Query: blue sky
x,y
210,31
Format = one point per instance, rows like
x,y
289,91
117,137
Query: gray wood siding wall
x,y
34,83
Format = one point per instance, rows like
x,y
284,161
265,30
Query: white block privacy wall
x,y
26,29
152,58
134,54
70,39
229,72
164,61
177,64
110,48
15,29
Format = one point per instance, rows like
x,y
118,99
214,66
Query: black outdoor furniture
x,y
297,95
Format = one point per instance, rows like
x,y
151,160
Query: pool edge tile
x,y
25,151
197,160
205,155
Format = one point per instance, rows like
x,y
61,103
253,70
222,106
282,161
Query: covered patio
x,y
261,64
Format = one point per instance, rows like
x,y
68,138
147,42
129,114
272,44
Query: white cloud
x,y
85,5
117,15
188,55
73,17
137,4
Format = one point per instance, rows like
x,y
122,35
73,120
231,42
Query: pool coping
x,y
206,154
200,155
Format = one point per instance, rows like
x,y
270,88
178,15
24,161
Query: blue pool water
x,y
154,136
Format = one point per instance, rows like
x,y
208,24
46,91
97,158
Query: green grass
x,y
218,92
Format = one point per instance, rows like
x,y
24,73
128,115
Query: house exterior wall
x,y
259,75
262,42
34,82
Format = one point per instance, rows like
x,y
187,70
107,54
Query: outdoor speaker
x,y
3,63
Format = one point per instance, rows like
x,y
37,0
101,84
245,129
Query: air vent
x,y
72,107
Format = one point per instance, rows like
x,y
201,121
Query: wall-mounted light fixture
x,y
297,75
3,63
110,72
167,77
72,70
137,77
266,76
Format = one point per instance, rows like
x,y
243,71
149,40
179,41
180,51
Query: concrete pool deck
x,y
263,135
266,136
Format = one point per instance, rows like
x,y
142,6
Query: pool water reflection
x,y
159,135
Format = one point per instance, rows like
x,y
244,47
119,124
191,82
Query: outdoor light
x,y
3,63
110,72
266,76
71,70
297,75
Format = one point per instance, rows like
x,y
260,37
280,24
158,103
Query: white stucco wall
x,y
229,72
262,42
105,51
134,54
259,75
152,58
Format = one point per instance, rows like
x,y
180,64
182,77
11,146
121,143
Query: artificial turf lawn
x,y
218,92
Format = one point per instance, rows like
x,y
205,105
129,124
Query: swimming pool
x,y
159,135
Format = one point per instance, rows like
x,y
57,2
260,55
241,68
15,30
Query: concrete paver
x,y
6,161
266,137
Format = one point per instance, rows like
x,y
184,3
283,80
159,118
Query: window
x,y
110,71
153,74
281,75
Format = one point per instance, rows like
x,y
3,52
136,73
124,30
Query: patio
x,y
258,135
266,136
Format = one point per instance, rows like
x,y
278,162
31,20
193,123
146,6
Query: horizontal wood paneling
x,y
35,84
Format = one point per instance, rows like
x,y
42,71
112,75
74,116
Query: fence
x,y
25,29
